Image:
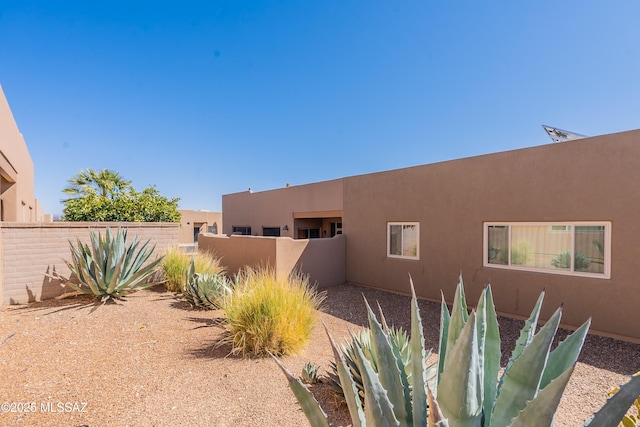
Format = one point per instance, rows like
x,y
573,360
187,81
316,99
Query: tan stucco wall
x,y
321,259
324,260
237,251
276,208
16,171
29,250
202,218
592,179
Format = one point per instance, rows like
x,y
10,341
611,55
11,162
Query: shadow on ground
x,y
66,302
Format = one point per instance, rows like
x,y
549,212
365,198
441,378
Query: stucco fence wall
x,y
31,250
322,259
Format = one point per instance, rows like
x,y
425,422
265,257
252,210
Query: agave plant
x,y
310,373
399,340
205,290
110,268
468,390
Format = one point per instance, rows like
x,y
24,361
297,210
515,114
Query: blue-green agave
x,y
205,290
467,389
310,373
398,339
110,268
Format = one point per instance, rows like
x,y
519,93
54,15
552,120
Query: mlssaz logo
x,y
63,407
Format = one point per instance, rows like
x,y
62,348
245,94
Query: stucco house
x,y
561,217
17,200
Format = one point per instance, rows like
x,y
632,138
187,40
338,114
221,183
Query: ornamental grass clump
x,y
176,263
270,315
109,268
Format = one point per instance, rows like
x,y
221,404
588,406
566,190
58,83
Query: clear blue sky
x,y
211,97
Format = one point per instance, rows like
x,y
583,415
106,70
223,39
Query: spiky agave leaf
x,y
617,405
522,382
541,410
347,351
391,374
418,363
460,392
526,335
399,343
378,409
445,321
565,355
489,348
459,316
310,406
349,389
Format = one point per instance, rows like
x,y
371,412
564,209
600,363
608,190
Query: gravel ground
x,y
152,361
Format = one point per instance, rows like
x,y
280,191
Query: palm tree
x,y
104,183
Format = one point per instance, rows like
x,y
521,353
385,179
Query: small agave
x,y
310,373
205,290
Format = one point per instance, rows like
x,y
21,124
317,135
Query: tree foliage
x,y
104,183
106,196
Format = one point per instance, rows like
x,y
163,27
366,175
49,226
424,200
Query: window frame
x,y
606,274
403,223
235,230
279,233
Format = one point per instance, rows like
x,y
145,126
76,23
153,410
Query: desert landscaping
x,y
152,360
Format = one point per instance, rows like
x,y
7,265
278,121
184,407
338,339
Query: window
x,y
579,248
271,231
308,233
242,230
403,240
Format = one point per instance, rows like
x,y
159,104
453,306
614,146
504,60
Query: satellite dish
x,y
560,135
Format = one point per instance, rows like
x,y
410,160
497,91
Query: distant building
x,y
300,212
17,199
196,222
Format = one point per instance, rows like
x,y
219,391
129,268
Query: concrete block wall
x,y
31,250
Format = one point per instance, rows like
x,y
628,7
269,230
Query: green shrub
x,y
176,262
266,314
128,205
206,290
110,268
468,389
